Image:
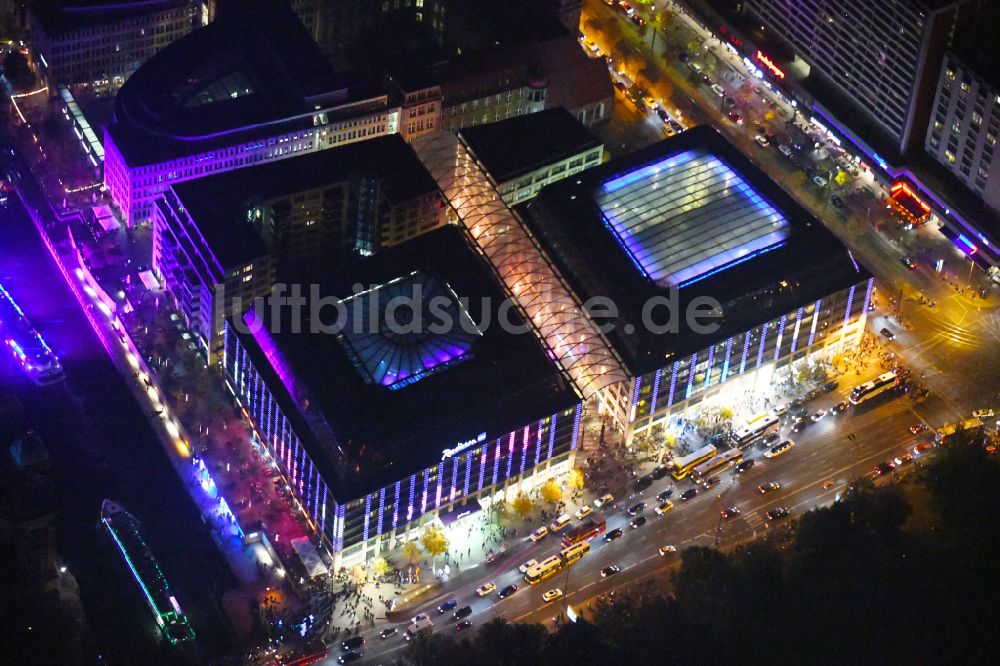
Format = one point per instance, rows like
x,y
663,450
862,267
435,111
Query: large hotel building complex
x,y
689,216
457,192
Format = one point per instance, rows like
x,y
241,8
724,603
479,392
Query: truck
x,y
421,626
585,531
969,427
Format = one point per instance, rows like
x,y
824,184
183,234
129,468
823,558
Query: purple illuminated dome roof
x,y
407,329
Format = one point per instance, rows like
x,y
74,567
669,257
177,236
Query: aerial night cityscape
x,y
499,332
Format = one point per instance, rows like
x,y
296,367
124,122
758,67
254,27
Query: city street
x,y
823,453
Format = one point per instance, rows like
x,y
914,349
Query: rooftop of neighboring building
x,y
516,146
65,16
375,404
219,203
976,46
471,74
574,79
232,80
690,213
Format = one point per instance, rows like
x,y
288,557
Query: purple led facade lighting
x,y
781,334
725,362
691,365
673,383
656,391
760,348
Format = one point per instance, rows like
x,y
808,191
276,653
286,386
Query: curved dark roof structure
x,y
240,74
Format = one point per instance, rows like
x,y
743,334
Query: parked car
x,y
659,472
784,150
819,180
761,141
718,90
837,201
887,334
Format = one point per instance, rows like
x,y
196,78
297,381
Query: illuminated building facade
x,y
101,44
285,222
685,220
966,122
379,431
244,90
882,57
524,154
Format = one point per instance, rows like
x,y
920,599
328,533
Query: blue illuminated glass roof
x,y
407,329
688,216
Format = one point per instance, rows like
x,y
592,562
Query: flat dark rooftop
x,y
690,213
223,83
375,406
218,203
65,16
510,148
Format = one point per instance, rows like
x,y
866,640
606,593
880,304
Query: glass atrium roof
x,y
395,343
688,216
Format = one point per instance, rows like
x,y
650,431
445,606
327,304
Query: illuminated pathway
x,y
570,338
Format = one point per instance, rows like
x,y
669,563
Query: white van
x,y
559,523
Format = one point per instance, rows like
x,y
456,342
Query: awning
x,y
106,218
310,558
149,280
460,511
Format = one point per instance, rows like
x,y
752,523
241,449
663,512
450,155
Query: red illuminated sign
x,y
767,62
905,189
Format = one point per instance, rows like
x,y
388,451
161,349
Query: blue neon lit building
x,y
380,428
692,217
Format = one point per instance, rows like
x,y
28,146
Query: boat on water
x,y
126,532
26,345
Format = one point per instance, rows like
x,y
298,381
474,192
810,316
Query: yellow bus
x,y
550,566
574,552
681,467
718,464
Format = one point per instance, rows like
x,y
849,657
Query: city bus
x,y
756,428
574,552
585,531
550,566
718,464
681,467
869,390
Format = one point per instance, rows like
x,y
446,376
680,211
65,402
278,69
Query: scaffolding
x,y
541,295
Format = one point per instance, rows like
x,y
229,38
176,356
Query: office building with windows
x,y
880,60
102,43
524,154
689,224
384,417
965,126
288,222
249,88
